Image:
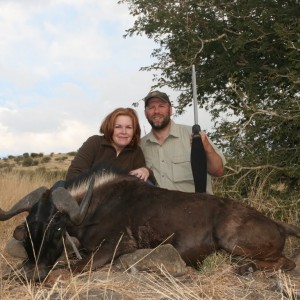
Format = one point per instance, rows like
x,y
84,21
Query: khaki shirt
x,y
171,161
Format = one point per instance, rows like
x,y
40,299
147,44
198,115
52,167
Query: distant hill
x,y
35,161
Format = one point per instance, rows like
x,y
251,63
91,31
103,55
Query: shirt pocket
x,y
181,168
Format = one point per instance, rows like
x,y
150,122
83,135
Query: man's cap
x,y
157,94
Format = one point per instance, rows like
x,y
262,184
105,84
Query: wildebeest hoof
x,y
58,274
245,269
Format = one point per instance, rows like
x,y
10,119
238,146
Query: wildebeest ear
x,y
20,232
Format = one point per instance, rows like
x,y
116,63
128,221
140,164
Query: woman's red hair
x,y
108,124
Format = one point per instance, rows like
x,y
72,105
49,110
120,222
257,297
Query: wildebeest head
x,y
42,237
45,227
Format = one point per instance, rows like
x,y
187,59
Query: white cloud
x,y
64,65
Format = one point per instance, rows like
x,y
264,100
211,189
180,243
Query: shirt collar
x,y
174,132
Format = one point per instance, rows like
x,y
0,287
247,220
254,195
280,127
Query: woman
x,y
117,145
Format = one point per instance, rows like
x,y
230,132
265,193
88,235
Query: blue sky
x,y
64,65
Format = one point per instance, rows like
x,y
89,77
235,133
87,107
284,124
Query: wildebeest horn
x,y
65,203
24,204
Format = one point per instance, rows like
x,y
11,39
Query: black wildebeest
x,y
112,214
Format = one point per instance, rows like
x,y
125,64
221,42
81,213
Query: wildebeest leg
x,y
257,238
106,253
282,263
95,260
194,248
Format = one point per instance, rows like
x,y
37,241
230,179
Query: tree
x,y
246,55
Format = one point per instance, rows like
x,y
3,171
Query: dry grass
x,y
218,283
214,280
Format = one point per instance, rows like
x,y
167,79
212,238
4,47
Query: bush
x,y
61,158
45,159
35,162
73,153
19,158
27,162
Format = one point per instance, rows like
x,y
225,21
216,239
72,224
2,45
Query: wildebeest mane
x,y
101,169
104,172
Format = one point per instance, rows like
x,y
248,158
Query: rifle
x,y
198,156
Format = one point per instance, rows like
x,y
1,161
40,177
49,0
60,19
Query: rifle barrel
x,y
194,85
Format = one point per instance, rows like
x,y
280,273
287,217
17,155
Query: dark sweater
x,y
97,149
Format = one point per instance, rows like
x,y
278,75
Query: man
x,y
167,148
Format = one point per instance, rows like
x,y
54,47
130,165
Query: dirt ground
x,y
217,282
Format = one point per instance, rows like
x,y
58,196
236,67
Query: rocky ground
x,y
158,274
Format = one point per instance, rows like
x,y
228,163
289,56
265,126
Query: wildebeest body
x,y
124,214
195,224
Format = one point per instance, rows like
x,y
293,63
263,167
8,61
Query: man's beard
x,y
162,125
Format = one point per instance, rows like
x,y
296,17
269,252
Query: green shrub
x,y
26,154
35,162
45,159
19,158
27,162
61,158
73,153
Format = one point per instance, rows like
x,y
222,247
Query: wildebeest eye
x,y
59,229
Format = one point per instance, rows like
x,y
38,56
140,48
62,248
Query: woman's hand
x,y
141,173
